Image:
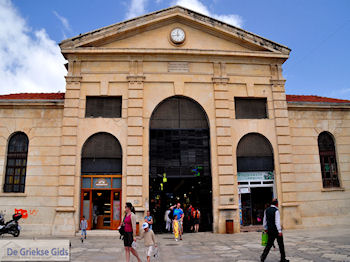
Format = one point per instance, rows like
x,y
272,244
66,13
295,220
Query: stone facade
x,y
216,63
318,205
42,123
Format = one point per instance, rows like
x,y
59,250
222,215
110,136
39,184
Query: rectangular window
x,y
108,107
250,108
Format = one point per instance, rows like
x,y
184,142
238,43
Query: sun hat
x,y
144,225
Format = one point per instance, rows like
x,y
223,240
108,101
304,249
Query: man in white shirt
x,y
272,224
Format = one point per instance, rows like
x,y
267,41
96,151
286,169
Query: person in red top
x,y
130,232
190,218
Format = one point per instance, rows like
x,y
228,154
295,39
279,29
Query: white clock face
x,y
177,36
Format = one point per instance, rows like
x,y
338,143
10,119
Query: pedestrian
x,y
130,232
149,240
196,217
83,227
149,219
272,224
190,218
167,220
177,210
176,228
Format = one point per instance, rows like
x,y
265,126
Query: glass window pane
x,y
117,183
86,182
86,208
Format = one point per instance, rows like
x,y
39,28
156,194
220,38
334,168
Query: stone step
x,y
100,232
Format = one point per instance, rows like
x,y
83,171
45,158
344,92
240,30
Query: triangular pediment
x,y
153,31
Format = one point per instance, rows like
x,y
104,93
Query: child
x,y
176,228
83,227
150,240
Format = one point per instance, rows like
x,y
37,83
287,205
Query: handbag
x,y
122,229
264,238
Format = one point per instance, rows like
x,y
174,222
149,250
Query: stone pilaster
x,y
290,212
226,202
134,150
64,223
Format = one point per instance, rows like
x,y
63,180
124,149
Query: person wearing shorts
x,y
149,240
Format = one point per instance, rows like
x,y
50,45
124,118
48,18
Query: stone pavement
x,y
318,244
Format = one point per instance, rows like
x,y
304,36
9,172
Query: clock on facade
x,y
177,36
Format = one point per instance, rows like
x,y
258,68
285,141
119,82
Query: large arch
x,y
255,175
180,158
101,176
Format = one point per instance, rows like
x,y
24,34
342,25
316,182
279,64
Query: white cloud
x,y
29,60
136,8
199,7
64,21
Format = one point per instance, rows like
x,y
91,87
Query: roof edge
x,y
273,45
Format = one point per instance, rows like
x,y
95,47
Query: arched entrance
x,y
101,181
255,175
180,160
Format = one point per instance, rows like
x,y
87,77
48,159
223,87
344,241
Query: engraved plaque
x,y
178,67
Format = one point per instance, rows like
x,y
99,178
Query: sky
x,y
317,31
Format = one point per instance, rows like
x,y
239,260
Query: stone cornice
x,y
73,79
220,80
317,106
135,78
165,51
278,82
31,103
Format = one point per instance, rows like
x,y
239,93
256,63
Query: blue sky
x,y
317,31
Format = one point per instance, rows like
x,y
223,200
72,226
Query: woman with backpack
x,y
129,223
196,216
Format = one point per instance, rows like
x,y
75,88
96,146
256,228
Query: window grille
x,y
328,160
250,108
254,153
101,154
179,139
108,107
178,112
16,164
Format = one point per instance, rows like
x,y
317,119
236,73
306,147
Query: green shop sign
x,y
254,176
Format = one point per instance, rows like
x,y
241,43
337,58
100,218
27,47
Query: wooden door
x,y
116,208
86,202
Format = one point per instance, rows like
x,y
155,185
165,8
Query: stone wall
x,y
318,205
145,81
41,122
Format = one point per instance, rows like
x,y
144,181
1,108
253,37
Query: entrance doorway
x,y
255,178
253,205
180,161
101,182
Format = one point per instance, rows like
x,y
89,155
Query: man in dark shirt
x,y
272,224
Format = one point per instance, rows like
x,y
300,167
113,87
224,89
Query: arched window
x,y
254,153
16,164
179,138
101,154
179,113
328,160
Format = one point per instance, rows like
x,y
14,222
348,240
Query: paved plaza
x,y
319,244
